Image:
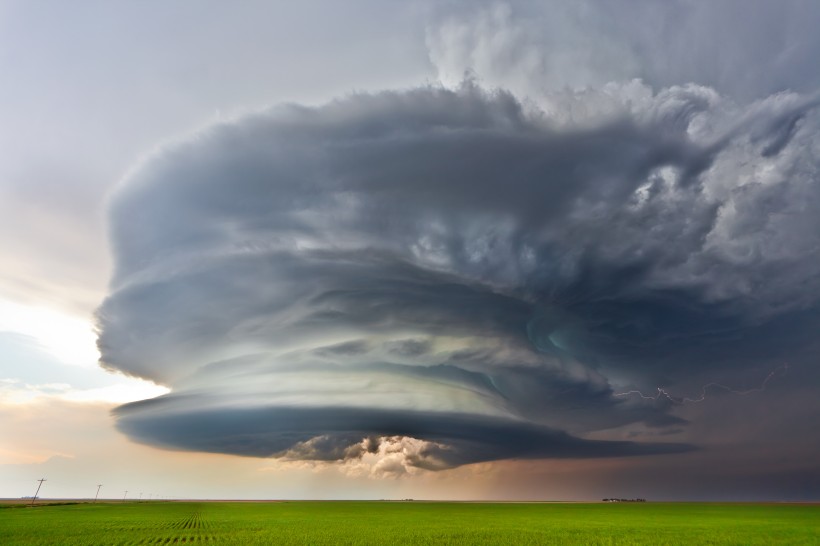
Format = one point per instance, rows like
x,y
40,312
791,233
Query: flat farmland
x,y
387,523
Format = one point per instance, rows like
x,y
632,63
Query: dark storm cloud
x,y
453,267
334,433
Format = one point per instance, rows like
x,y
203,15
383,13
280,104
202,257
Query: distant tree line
x,y
624,500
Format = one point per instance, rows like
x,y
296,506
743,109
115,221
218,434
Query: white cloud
x,y
13,391
70,339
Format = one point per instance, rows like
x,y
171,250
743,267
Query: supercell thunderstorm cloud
x,y
463,273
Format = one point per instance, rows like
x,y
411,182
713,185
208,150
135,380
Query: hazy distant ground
x,y
385,523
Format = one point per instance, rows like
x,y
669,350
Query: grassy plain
x,y
394,523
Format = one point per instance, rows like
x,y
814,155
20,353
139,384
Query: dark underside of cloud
x,y
453,267
451,439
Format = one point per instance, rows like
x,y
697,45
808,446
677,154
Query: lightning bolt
x,y
663,393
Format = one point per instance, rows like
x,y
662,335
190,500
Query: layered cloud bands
x,y
452,268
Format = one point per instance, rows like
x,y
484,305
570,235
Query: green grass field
x,y
388,523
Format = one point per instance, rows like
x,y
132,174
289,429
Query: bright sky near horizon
x,y
410,249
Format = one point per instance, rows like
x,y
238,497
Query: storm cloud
x,y
462,268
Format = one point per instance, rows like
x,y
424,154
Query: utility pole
x,y
126,494
98,492
140,499
41,480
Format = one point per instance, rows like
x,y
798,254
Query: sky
x,y
446,250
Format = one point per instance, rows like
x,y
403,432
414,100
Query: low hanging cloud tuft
x,y
453,271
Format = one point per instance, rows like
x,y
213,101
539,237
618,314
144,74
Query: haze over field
x,y
436,250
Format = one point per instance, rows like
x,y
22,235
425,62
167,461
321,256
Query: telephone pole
x,y
41,480
98,492
126,494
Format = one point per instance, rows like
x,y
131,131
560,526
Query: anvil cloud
x,y
461,268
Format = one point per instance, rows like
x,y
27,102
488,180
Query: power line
x,y
41,480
